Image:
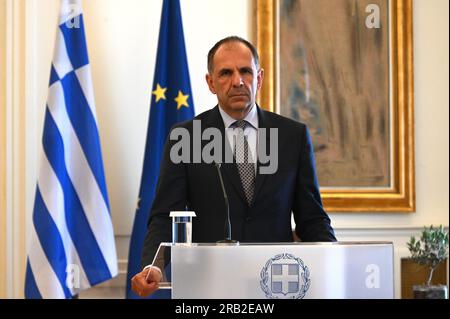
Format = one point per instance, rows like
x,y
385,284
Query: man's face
x,y
234,78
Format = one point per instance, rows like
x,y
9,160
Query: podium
x,y
350,270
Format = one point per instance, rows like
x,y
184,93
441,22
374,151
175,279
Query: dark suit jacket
x,y
292,189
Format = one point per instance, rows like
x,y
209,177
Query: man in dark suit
x,y
261,205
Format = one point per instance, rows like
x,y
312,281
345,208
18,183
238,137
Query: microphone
x,y
227,229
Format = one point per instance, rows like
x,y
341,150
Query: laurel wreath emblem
x,y
304,275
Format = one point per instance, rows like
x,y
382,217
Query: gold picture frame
x,y
400,195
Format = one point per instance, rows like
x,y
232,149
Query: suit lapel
x,y
261,178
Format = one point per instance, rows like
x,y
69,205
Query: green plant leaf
x,y
431,248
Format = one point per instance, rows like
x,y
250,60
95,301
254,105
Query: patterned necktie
x,y
244,161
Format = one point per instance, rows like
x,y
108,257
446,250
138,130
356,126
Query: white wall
x,y
122,39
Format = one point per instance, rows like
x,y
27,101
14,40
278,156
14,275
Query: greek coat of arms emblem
x,y
285,276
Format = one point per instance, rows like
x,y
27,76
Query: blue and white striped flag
x,y
72,241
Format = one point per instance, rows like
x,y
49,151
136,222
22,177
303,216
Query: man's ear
x,y
260,78
210,83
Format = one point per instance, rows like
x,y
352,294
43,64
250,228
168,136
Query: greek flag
x,y
71,240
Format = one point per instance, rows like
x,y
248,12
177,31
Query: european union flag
x,y
171,103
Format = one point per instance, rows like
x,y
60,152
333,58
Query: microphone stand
x,y
227,229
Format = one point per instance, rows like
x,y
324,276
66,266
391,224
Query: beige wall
x,y
3,258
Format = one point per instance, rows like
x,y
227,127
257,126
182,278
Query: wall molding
x,y
14,149
3,157
394,229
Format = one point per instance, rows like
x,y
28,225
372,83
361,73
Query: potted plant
x,y
430,250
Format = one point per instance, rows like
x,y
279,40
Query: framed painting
x,y
345,68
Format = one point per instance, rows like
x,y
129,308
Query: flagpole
x,y
171,102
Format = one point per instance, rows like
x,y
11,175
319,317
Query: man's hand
x,y
146,282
